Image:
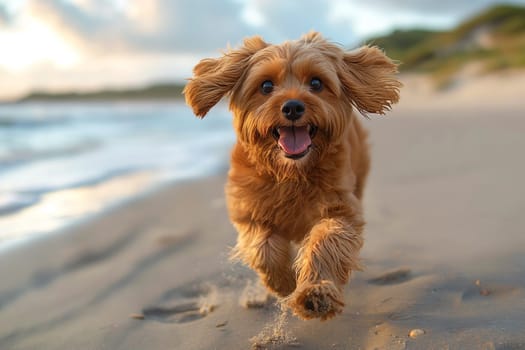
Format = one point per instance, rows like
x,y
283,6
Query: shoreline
x,y
67,162
443,254
110,205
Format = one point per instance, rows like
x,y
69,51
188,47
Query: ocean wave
x,y
13,202
21,156
49,150
14,122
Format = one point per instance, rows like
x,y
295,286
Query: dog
x,y
301,159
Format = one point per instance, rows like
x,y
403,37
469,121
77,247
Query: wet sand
x,y
444,251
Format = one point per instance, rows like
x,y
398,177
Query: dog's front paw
x,y
321,300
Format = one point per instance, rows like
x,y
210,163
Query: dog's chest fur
x,y
287,208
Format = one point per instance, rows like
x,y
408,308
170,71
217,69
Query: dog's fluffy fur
x,y
278,200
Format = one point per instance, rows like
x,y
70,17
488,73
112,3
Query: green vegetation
x,y
495,37
153,92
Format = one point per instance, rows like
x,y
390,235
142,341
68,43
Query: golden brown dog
x,y
301,159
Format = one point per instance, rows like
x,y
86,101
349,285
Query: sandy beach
x,y
444,250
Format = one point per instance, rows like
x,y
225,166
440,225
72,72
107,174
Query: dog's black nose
x,y
293,109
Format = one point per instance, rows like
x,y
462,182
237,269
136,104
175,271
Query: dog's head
x,y
293,102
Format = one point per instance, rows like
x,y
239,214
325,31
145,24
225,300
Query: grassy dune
x,y
495,38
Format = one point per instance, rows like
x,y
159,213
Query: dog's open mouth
x,y
295,141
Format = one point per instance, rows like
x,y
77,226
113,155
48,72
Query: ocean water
x,y
61,162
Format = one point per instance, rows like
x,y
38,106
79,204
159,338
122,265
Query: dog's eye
x,y
316,84
266,87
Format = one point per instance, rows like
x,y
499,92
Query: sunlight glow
x,y
54,209
32,42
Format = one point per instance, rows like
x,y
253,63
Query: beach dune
x,y
444,251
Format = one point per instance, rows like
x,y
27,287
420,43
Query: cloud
x,y
433,8
177,26
283,20
376,17
88,43
105,27
106,72
5,17
145,25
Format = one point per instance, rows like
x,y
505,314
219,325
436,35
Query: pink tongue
x,y
294,140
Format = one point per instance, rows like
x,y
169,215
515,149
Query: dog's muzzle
x,y
295,141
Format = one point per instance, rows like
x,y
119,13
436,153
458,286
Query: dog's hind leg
x,y
324,263
270,256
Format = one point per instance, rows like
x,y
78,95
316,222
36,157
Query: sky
x,y
60,45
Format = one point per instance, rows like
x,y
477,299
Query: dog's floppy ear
x,y
215,77
368,79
